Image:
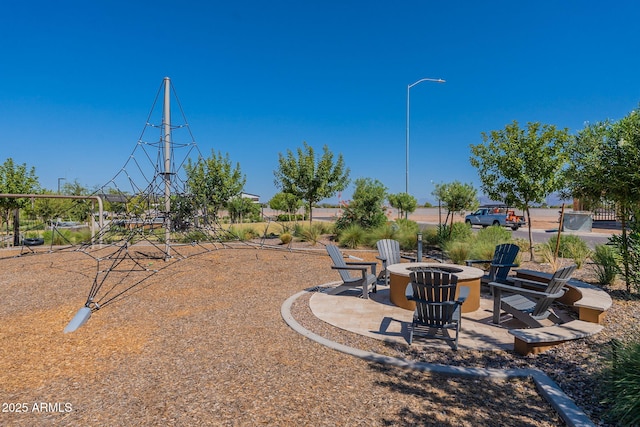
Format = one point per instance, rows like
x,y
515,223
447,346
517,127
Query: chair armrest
x,y
409,258
382,258
524,291
463,294
470,262
349,267
372,265
504,265
518,282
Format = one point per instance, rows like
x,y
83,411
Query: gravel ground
x,y
202,342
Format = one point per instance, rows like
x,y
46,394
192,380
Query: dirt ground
x,y
202,342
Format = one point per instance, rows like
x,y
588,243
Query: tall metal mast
x,y
166,131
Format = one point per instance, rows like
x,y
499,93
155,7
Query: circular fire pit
x,y
467,276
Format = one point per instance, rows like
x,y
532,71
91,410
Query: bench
x,y
591,302
537,340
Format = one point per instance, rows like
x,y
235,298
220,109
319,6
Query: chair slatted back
x,y
434,294
505,253
389,249
559,279
338,261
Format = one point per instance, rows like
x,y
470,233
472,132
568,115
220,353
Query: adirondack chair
x,y
364,280
437,310
503,259
389,254
531,306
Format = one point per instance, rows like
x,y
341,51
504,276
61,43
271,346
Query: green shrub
x,y
568,243
243,233
430,236
352,236
623,384
286,238
578,251
605,264
193,236
493,235
457,251
482,250
311,233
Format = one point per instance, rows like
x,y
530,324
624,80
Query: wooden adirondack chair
x,y
389,254
437,309
531,306
364,280
503,259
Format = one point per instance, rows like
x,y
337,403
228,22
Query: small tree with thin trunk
x,y
521,167
403,202
456,198
16,179
308,178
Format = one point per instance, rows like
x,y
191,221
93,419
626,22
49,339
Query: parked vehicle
x,y
495,215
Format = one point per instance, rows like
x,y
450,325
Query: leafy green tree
x,y
456,197
309,179
367,207
405,203
78,209
241,208
285,202
521,167
605,161
213,181
15,179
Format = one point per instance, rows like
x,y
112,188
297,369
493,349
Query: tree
x,y
456,198
521,167
241,207
78,209
213,181
15,179
308,179
285,202
404,202
605,161
367,207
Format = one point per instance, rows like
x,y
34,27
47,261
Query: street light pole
x,y
407,135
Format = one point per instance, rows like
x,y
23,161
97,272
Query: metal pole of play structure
x,y
419,256
166,132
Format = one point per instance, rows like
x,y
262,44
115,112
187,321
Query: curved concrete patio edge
x,y
572,415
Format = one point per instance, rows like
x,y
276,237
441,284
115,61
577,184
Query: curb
x,y
572,415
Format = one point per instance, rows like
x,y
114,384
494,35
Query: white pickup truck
x,y
502,216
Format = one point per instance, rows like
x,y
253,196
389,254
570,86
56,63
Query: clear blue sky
x,y
255,78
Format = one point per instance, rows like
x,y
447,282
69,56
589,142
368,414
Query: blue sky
x,y
78,79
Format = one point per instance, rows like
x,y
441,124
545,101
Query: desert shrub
x,y
568,243
430,236
243,233
493,235
286,238
352,236
457,251
193,236
623,384
298,229
605,264
58,237
578,251
311,233
386,231
547,252
482,250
